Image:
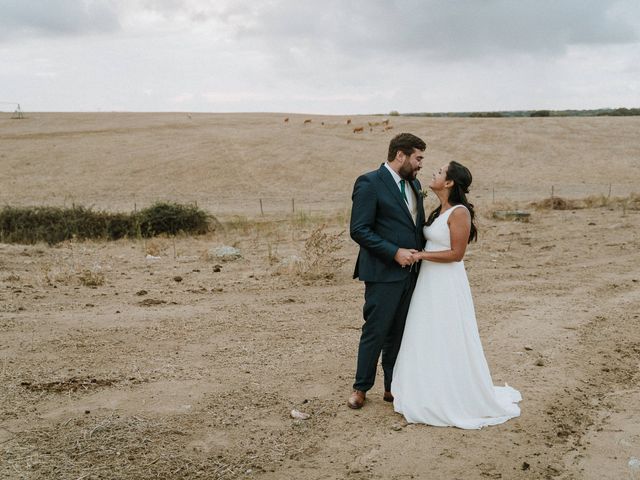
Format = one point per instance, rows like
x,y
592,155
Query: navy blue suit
x,y
381,224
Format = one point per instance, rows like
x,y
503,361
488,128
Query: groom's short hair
x,y
405,142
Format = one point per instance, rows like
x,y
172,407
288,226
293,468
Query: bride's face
x,y
439,179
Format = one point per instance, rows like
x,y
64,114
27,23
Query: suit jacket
x,y
381,224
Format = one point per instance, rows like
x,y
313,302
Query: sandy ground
x,y
227,163
114,365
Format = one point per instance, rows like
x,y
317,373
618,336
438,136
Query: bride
x,y
441,377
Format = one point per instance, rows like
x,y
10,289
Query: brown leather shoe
x,y
387,397
356,400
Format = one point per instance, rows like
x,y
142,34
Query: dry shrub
x,y
556,203
53,274
632,202
67,274
320,259
512,215
89,278
239,223
155,247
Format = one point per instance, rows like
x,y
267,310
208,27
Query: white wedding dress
x,y
441,377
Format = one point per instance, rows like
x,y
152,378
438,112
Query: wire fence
x,y
258,205
528,193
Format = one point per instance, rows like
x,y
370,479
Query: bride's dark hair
x,y
461,177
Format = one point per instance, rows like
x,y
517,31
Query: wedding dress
x,y
441,376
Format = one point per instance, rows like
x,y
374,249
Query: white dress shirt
x,y
411,198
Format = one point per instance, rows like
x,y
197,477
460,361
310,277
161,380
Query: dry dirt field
x,y
114,365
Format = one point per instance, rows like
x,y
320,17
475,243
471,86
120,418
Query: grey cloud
x,y
452,30
56,17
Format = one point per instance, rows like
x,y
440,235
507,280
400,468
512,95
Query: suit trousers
x,y
385,311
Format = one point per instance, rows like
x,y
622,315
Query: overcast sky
x,y
325,56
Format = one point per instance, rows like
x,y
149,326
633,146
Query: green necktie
x,y
404,194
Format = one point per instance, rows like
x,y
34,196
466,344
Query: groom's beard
x,y
408,173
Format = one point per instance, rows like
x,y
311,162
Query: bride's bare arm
x,y
459,227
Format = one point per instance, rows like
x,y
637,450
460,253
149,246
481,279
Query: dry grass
x,y
631,202
155,246
112,447
91,278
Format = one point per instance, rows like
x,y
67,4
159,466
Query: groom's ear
x,y
400,157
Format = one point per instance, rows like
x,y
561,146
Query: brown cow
x,y
358,130
307,121
385,122
348,121
286,120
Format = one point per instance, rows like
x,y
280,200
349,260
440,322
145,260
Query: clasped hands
x,y
406,256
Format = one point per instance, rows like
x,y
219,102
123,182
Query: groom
x,y
386,221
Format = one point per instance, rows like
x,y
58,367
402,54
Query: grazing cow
x,y
388,127
348,121
385,122
358,130
307,121
286,120
321,123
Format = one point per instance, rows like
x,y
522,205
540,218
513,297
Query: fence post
x,y
493,194
609,194
293,205
261,210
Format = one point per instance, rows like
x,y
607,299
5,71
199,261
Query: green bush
x,y
54,224
171,218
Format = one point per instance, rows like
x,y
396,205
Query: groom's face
x,y
411,164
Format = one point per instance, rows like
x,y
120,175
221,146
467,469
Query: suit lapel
x,y
420,206
387,179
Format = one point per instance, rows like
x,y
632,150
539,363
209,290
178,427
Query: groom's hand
x,y
404,256
416,256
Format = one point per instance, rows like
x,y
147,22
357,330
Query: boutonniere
x,y
424,193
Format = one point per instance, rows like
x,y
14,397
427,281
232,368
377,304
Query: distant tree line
x,y
600,112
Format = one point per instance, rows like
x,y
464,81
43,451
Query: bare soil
x,y
188,366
